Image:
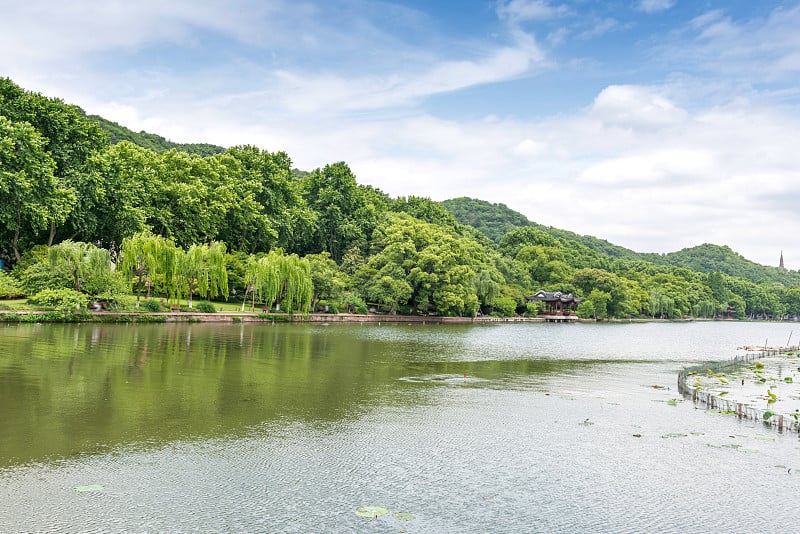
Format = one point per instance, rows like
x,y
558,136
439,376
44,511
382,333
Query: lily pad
x,y
768,414
672,402
90,487
403,516
788,380
371,511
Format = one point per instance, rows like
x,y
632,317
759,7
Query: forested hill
x,y
154,142
710,258
496,220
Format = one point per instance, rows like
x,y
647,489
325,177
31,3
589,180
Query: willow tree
x,y
148,257
202,269
70,254
276,278
297,289
89,266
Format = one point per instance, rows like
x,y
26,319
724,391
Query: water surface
x,y
291,428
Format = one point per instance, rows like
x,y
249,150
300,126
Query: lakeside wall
x,y
228,317
742,410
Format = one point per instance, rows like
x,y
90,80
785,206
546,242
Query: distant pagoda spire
x,y
780,265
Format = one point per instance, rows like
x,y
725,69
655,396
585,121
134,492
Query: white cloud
x,y
655,6
525,10
760,50
599,27
669,166
635,107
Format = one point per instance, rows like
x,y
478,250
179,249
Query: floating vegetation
x,y
90,487
788,380
723,412
672,402
403,516
656,386
768,414
371,511
674,435
637,435
772,398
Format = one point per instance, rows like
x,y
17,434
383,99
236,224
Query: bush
x,y
152,306
504,307
205,307
9,288
64,300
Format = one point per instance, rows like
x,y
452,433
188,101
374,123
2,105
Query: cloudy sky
x,y
655,124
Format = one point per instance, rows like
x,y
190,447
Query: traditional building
x,y
558,304
780,265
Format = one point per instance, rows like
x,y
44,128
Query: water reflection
x,y
68,390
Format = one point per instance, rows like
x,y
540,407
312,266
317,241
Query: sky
x,y
654,124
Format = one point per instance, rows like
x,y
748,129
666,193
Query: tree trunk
x,y
52,234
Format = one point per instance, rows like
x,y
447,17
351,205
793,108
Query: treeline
x,y
81,213
118,133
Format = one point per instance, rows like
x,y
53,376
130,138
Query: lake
x,y
466,428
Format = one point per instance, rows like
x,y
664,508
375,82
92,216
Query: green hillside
x,y
156,143
496,220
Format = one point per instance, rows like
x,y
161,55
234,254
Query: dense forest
x,y
92,210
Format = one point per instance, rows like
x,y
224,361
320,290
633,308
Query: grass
x,y
128,304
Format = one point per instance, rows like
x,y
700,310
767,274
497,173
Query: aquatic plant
x,y
371,511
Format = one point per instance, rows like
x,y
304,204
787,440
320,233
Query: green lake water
x,y
292,428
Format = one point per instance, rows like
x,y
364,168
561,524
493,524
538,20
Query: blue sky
x,y
655,124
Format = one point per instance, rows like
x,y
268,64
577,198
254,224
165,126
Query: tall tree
x,y
31,197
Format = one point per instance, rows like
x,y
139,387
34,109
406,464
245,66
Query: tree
x,y
149,258
328,281
438,265
275,278
70,138
345,218
201,269
72,256
115,193
600,301
30,196
287,221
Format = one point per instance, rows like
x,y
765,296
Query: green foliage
x,y
437,266
205,307
202,269
149,259
156,143
586,309
152,305
279,280
493,220
31,196
64,300
504,306
9,288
